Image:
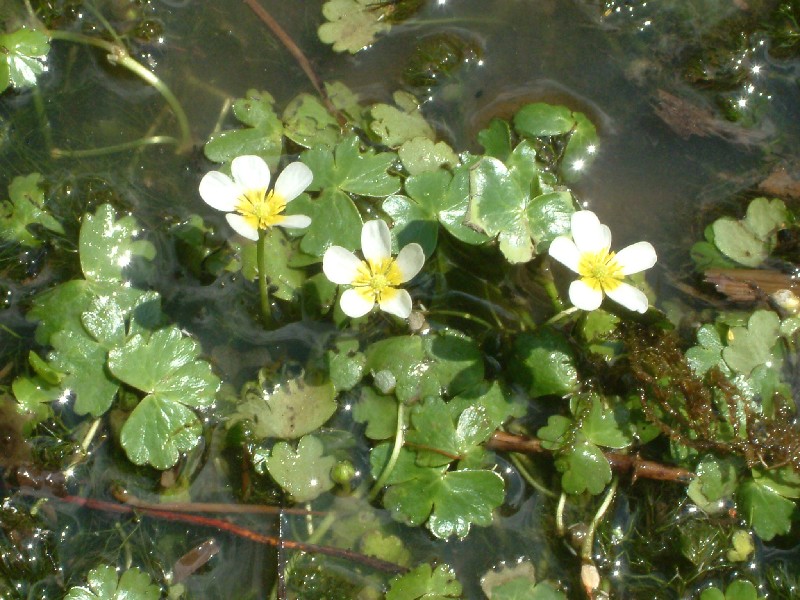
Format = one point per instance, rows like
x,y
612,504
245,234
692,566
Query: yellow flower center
x,y
600,270
260,209
376,281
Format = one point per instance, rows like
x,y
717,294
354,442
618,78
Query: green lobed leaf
x,y
602,425
715,479
25,207
395,126
107,245
386,547
422,155
102,584
303,473
496,139
425,583
540,119
263,136
737,242
379,412
23,54
453,206
584,468
784,481
544,363
522,589
708,352
308,123
335,221
352,25
581,148
768,512
752,346
34,396
290,409
346,365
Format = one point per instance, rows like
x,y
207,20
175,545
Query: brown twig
x,y
227,526
622,463
298,55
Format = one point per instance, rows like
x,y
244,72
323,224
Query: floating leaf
x,y
102,584
752,346
603,426
750,240
540,119
715,479
544,362
352,25
308,123
107,245
386,547
581,148
335,221
26,207
422,155
34,396
263,137
708,352
166,366
496,139
768,512
289,410
346,365
425,583
398,125
303,473
379,412
584,468
23,54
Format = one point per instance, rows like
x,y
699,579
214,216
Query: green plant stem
x,y
562,501
399,439
146,141
261,259
516,460
103,21
588,542
561,315
461,315
118,55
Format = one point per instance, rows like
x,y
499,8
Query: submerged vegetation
x,y
393,371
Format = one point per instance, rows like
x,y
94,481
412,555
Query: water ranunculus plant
x,y
374,280
250,204
588,253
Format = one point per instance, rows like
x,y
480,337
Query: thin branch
x,y
622,463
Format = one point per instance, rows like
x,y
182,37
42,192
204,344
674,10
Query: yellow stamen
x,y
261,210
376,281
600,270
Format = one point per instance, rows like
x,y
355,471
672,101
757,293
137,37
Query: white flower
x,y
375,279
247,199
602,272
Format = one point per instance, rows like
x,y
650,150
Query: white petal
x,y
564,250
629,297
589,234
354,304
340,265
293,180
250,172
397,304
242,227
376,241
295,221
410,261
636,257
218,191
583,296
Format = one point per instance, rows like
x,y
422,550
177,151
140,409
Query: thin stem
x,y
261,258
104,22
147,141
516,460
562,501
399,438
588,542
118,55
561,315
87,439
461,315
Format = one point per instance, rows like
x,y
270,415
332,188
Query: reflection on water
x,y
650,181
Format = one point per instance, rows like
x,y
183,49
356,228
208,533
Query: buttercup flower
x,y
374,279
601,271
250,204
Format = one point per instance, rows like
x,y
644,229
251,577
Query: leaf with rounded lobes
x,y
425,583
715,479
768,512
262,137
102,584
544,362
335,221
708,352
34,396
583,467
453,207
784,481
541,119
379,412
601,426
22,57
765,217
412,222
422,155
753,346
496,139
107,246
303,473
308,123
397,125
352,25
549,216
522,589
26,207
290,410
737,242
346,365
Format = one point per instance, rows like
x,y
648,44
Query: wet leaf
x,y
737,590
308,123
23,55
107,246
167,367
102,584
584,468
716,478
263,135
352,25
290,410
496,139
768,512
750,240
386,547
425,583
602,426
284,281
34,396
453,206
708,352
422,155
752,346
581,148
522,589
544,362
541,119
784,481
303,473
396,125
346,365
26,207
335,221
379,412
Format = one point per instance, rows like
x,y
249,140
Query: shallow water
x,y
648,182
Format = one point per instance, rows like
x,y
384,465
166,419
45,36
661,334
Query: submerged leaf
x,y
23,54
303,473
425,583
102,584
26,207
352,25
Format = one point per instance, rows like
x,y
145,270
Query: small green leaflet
x,y
425,583
768,512
26,207
23,54
102,584
397,125
750,240
422,155
308,123
165,366
544,363
736,590
303,473
352,25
